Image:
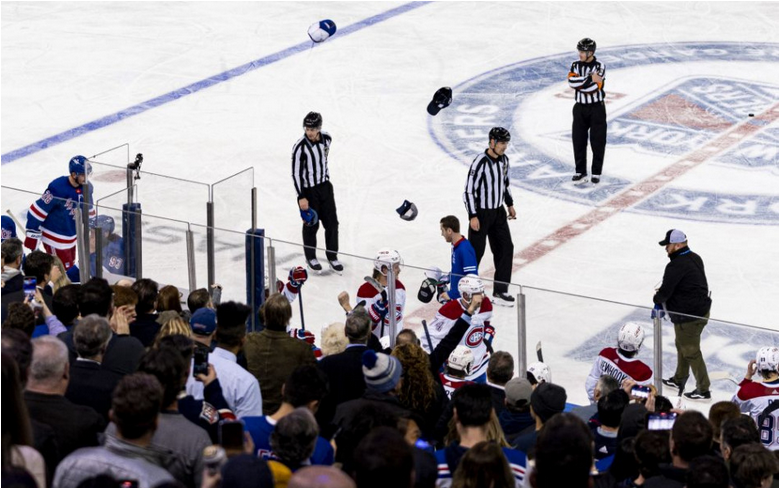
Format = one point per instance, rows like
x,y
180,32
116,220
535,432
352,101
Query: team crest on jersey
x,y
47,197
669,107
475,337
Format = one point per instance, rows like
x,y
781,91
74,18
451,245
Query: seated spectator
x,y
273,354
17,434
707,471
610,411
484,465
320,476
383,458
64,313
145,327
589,413
90,384
333,339
720,412
472,415
419,392
129,454
75,426
185,440
737,432
499,371
240,388
173,326
515,416
761,399
651,451
691,437
21,317
305,388
753,465
294,437
564,453
546,400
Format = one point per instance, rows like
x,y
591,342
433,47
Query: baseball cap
x,y
673,236
203,322
518,391
440,100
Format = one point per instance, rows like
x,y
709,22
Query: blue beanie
x,y
381,372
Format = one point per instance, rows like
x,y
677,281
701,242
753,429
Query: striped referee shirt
x,y
581,80
308,162
487,185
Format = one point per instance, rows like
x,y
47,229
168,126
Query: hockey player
x,y
463,256
374,294
458,366
51,218
9,228
538,372
620,362
761,399
113,246
480,334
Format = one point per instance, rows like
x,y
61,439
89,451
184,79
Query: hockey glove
x,y
297,276
489,334
654,311
379,310
31,239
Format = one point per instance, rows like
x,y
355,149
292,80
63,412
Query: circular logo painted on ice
x,y
680,138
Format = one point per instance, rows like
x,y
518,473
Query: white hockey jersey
x,y
451,384
753,398
370,295
473,338
611,362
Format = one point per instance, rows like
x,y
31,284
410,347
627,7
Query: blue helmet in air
x,y
80,166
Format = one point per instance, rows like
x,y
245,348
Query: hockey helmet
x,y
310,217
80,166
767,359
461,358
321,31
500,135
540,372
313,120
408,211
586,44
469,285
630,337
384,257
102,222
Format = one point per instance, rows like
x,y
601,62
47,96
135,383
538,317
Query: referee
x,y
587,79
310,171
485,192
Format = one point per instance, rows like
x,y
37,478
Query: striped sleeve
x,y
40,209
471,187
575,80
298,170
507,192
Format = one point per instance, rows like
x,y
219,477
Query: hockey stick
x,y
18,224
301,310
723,375
539,353
427,333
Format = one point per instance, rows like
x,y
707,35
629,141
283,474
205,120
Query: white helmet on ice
x,y
630,337
384,257
540,372
470,285
461,358
767,359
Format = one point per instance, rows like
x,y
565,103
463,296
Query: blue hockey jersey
x,y
53,214
463,262
113,257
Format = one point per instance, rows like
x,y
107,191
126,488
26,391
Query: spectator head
x,y
203,323
306,387
633,420
16,428
293,439
691,437
348,438
611,407
624,465
12,252
18,345
333,339
199,298
169,299
501,368
720,412
232,324
124,296
358,326
737,432
651,449
96,298
91,337
382,373
417,390
21,317
472,405
518,395
547,400
275,313
182,344
39,265
49,367
168,366
752,465
663,404
407,336
59,276
65,303
484,465
124,282
707,471
135,406
175,325
564,453
320,476
384,458
246,471
605,385
147,290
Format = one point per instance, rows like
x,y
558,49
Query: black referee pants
x,y
493,224
321,200
589,118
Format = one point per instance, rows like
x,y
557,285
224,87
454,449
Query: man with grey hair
x,y
294,437
605,385
90,384
75,426
320,476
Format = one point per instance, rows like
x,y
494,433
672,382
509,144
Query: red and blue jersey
x,y
54,213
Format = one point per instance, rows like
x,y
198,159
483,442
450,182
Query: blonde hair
x,y
333,339
493,430
63,280
175,325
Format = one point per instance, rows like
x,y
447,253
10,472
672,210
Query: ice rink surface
x,y
205,90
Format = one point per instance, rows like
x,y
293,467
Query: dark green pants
x,y
687,339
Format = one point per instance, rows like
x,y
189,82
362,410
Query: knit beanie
x,y
381,372
547,400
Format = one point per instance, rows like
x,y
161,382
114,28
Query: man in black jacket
x,y
685,296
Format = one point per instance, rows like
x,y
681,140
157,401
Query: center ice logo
x,y
692,120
